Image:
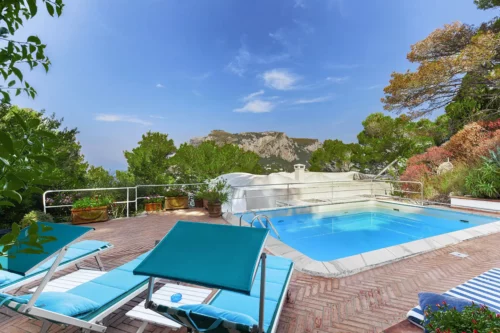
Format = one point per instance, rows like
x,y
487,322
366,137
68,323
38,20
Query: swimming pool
x,y
329,233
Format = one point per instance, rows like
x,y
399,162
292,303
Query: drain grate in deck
x,y
460,255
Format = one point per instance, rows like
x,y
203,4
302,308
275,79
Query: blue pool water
x,y
333,235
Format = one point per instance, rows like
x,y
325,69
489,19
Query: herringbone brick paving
x,y
366,302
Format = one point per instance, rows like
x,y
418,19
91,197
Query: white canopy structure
x,y
297,188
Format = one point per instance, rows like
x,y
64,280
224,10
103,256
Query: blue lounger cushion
x,y
74,252
214,312
278,270
113,285
63,303
482,290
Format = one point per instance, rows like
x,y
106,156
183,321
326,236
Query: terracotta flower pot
x,y
152,206
214,209
198,203
89,215
176,202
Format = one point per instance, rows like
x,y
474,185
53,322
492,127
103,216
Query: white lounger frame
x,y
49,317
96,255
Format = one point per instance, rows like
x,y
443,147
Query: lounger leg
x,y
142,327
99,262
45,326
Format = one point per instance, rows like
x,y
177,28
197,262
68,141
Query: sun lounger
x,y
278,274
86,304
253,285
76,253
83,306
482,290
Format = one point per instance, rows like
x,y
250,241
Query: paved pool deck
x,y
369,301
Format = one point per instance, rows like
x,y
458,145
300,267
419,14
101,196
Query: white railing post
x,y
44,205
127,201
136,199
288,194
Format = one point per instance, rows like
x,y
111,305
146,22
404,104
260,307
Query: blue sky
x,y
310,68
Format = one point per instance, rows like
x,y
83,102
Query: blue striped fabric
x,y
482,290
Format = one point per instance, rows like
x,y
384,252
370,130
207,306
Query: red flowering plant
x,y
472,319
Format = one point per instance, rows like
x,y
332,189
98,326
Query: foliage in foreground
x,y
14,54
472,319
35,216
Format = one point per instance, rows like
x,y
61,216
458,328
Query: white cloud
x,y
244,58
240,62
341,66
375,86
159,85
280,79
202,76
114,118
299,4
313,100
253,95
337,79
256,106
156,117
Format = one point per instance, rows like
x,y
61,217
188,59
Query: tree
x,y
14,54
458,58
385,139
98,177
336,156
24,165
149,162
208,161
486,4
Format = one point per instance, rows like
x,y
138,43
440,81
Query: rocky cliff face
x,y
276,149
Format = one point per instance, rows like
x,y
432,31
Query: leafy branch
x,y
13,13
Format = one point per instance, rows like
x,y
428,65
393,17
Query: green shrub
x,y
439,187
472,319
484,181
35,216
175,191
92,202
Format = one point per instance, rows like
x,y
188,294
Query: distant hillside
x,y
276,149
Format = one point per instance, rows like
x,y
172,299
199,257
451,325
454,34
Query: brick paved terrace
x,y
366,302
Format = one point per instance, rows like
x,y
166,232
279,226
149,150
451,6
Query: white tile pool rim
x,y
354,264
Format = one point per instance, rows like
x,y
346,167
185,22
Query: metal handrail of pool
x,y
262,224
257,217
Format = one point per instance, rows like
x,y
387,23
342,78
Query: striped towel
x,y
482,290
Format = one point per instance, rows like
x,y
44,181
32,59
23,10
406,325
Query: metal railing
x,y
269,223
127,201
248,197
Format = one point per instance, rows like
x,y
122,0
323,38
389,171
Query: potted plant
x,y
153,203
199,196
176,198
90,209
216,196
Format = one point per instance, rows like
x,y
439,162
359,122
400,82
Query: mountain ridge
x,y
278,151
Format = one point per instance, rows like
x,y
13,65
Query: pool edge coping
x,y
367,260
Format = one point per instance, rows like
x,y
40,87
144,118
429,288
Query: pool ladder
x,y
258,217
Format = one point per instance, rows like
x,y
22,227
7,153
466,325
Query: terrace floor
x,y
366,302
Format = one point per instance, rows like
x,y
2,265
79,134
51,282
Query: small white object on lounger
x,y
190,295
